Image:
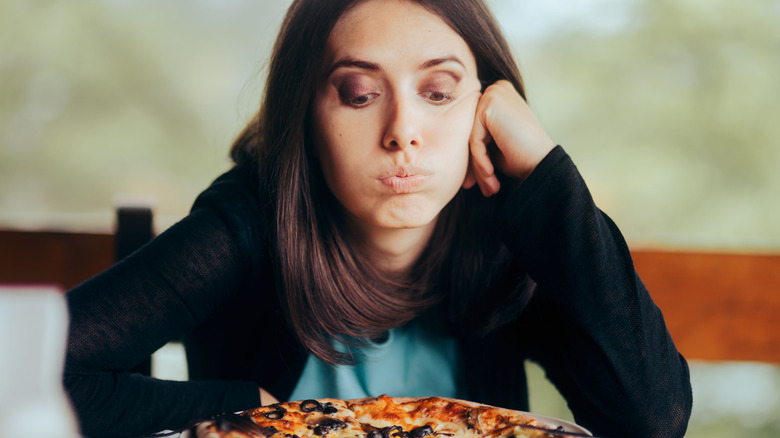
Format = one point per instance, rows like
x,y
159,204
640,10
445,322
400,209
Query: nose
x,y
402,128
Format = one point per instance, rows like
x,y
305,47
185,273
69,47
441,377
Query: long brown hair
x,y
326,291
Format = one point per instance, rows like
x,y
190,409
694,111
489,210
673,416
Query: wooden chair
x,y
65,259
59,258
718,306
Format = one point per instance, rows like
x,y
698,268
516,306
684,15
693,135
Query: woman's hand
x,y
266,398
201,429
504,118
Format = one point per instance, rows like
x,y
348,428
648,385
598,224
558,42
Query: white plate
x,y
555,422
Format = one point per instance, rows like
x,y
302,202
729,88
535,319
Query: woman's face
x,y
393,114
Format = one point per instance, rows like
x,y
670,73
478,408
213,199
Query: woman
x,y
351,230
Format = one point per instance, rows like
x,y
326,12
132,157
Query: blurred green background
x,y
669,108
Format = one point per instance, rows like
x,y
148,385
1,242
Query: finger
x,y
202,430
470,179
482,165
483,171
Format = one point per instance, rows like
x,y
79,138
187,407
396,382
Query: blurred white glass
x,y
33,333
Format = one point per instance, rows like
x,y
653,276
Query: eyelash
x,y
353,101
365,99
446,97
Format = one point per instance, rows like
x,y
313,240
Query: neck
x,y
395,251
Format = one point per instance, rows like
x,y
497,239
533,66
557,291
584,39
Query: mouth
x,y
404,179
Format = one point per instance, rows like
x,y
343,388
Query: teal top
x,y
414,361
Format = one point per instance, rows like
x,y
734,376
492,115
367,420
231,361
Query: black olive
x,y
329,424
329,409
387,432
402,434
335,424
269,430
374,434
274,415
419,432
311,406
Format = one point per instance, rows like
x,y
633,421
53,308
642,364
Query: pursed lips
x,y
404,179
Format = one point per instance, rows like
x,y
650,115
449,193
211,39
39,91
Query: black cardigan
x,y
591,324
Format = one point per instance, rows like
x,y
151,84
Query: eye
x,y
359,101
356,91
437,97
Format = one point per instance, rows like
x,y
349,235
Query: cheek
x,y
326,147
340,146
339,132
451,135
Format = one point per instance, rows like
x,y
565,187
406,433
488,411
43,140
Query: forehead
x,y
393,30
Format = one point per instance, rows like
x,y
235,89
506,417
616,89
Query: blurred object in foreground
x,y
33,332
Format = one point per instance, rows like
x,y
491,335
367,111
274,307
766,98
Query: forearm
x,y
123,315
606,345
125,404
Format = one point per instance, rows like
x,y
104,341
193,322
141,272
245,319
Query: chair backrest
x,y
717,306
59,258
65,259
134,228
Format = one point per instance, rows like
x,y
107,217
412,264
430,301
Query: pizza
x,y
379,417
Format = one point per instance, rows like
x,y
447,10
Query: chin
x,y
405,213
407,222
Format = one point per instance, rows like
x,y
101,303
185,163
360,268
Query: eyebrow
x,y
439,61
355,63
371,66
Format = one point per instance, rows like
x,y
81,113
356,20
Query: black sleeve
x,y
157,294
592,324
